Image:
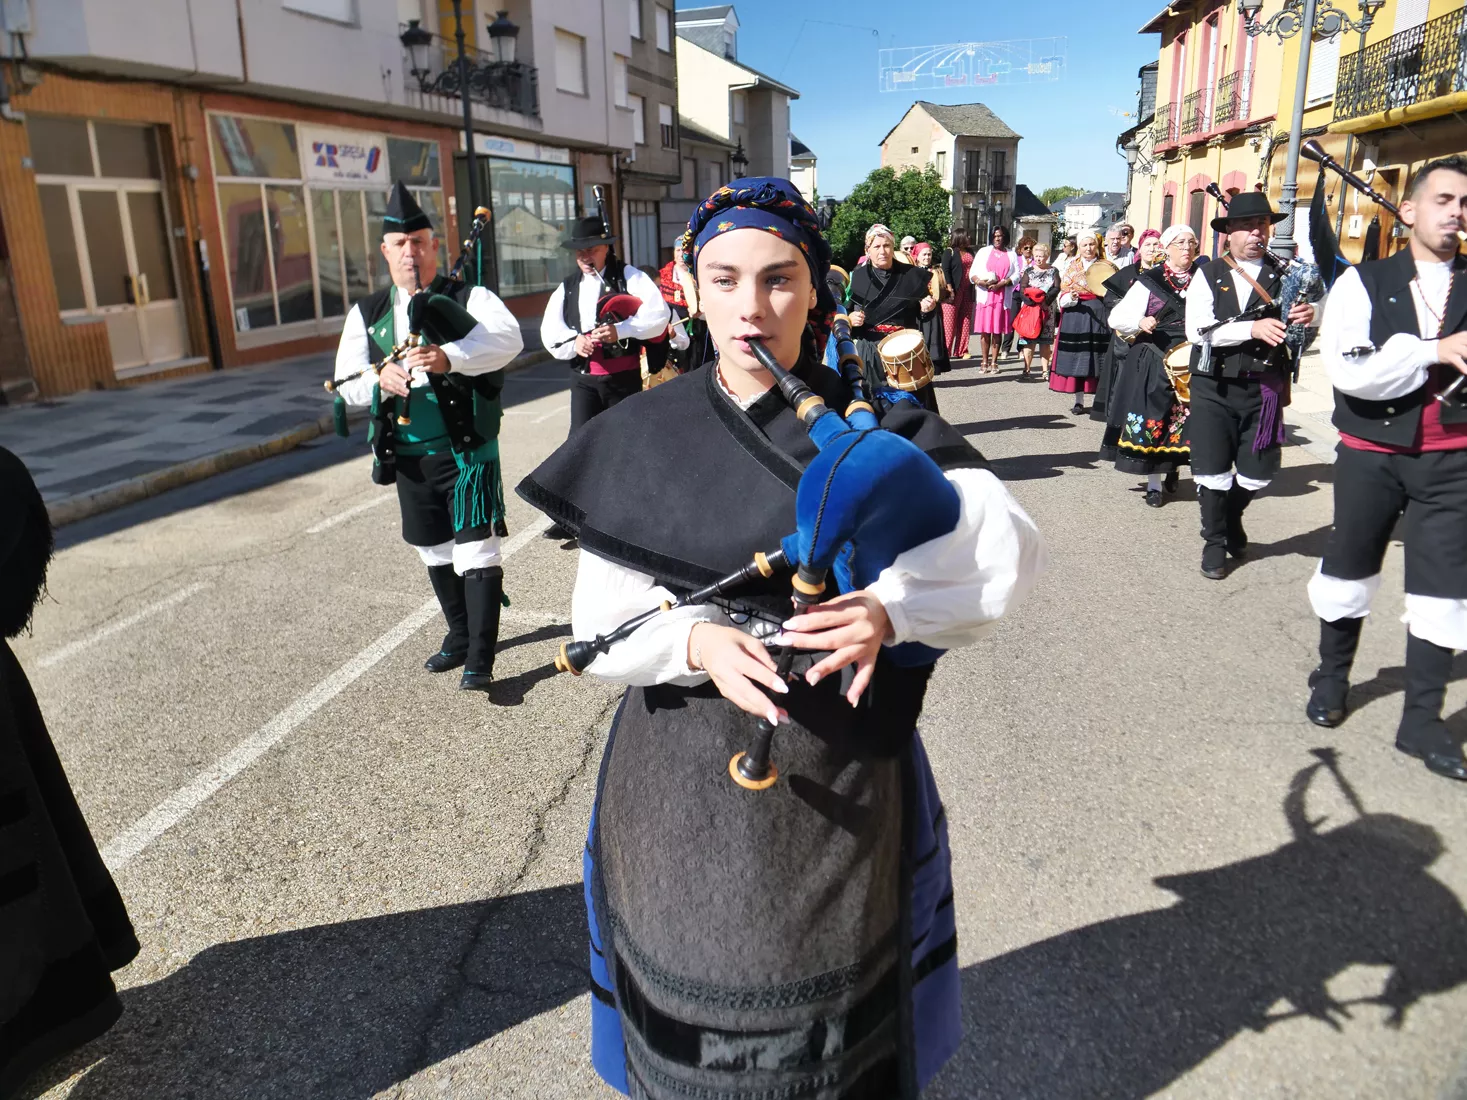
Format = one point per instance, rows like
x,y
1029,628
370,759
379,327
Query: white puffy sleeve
x,y
650,321
352,354
1126,318
1396,368
494,343
950,591
553,329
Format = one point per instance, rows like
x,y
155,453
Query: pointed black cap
x,y
404,215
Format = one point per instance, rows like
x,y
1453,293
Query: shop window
x,y
127,152
242,212
59,146
356,253
529,224
414,162
291,244
256,148
61,243
328,253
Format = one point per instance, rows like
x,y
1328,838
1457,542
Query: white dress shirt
x,y
1399,366
946,593
648,323
492,344
1201,308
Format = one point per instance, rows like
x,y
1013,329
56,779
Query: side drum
x,y
905,358
1178,365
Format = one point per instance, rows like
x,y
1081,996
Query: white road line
x,y
132,841
73,648
355,510
553,412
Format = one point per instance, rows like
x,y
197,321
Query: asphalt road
x,y
351,880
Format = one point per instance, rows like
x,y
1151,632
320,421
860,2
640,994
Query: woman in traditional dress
x,y
1153,419
886,297
63,927
993,274
1043,279
933,334
1083,334
796,941
1115,289
957,315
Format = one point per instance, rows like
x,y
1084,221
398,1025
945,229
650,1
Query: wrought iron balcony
x,y
975,182
999,184
1234,93
1194,114
506,86
1425,62
1164,128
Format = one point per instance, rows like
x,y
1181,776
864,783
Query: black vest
x,y
454,392
1397,421
1171,322
615,277
1252,355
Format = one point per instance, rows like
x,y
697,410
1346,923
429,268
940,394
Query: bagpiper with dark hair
x,y
1394,337
440,445
1239,376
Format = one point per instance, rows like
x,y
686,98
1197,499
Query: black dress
x,y
1115,289
1147,418
891,300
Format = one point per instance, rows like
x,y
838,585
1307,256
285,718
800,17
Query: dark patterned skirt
x,y
1153,436
1084,338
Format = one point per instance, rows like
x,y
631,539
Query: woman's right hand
x,y
1148,324
857,318
736,662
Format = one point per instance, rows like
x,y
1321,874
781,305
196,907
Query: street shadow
x,y
539,634
1121,1009
1306,544
1016,423
511,692
1034,467
1391,680
338,1011
1298,481
948,382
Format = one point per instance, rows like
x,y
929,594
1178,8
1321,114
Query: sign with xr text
x,y
342,156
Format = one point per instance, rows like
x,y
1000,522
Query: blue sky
x,y
1069,126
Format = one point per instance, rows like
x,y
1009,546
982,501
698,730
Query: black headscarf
x,y
26,545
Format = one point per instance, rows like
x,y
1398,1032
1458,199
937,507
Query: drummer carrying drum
x,y
887,298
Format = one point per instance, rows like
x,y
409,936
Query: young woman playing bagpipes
x,y
786,932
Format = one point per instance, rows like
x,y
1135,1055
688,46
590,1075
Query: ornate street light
x,y
1315,18
503,33
739,161
415,40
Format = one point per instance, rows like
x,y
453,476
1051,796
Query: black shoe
x,y
443,661
1214,563
1449,764
1422,732
448,586
1329,684
558,533
1214,505
1170,484
1326,706
476,681
1078,410
1238,500
1153,498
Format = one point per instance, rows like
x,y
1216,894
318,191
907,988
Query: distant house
x,y
802,168
1094,211
1032,218
706,168
973,150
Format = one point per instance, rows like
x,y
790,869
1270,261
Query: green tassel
x,y
503,596
338,418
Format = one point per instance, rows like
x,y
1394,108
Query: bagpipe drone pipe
x,y
868,496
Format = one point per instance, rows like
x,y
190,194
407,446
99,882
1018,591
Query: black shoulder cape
x,y
679,483
898,302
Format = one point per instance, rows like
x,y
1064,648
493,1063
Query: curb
x,y
156,482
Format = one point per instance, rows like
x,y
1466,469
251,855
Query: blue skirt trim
x,y
936,993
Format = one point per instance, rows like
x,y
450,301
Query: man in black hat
x,y
445,458
606,357
1239,376
1394,338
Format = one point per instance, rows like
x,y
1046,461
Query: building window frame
x,y
639,119
562,37
667,125
638,31
662,23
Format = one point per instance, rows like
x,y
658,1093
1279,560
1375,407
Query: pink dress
x,y
992,316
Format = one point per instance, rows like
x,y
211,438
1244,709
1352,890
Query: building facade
x,y
802,169
975,153
182,193
648,90
1092,212
707,166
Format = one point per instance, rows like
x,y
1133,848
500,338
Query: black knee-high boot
x,y
1238,500
1422,732
448,586
1330,683
483,592
1214,504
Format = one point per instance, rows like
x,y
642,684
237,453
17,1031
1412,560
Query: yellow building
x,y
1224,101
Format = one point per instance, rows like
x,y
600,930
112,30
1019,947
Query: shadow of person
x,y
1120,1009
1016,423
1391,680
339,1011
1298,481
511,692
1033,467
1306,544
539,634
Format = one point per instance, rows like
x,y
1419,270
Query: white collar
x,y
744,403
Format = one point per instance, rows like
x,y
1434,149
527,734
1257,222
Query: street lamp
x,y
1313,18
1132,152
739,161
502,33
415,40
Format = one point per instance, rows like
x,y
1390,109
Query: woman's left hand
x,y
927,304
852,627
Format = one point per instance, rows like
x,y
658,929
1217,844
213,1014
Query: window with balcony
x,y
636,13
570,62
619,80
1422,62
1324,68
666,126
664,28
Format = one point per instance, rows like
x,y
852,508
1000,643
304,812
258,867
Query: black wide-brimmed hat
x,y
1247,204
403,214
586,232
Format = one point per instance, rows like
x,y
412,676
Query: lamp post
x,y
739,161
415,40
503,34
1311,17
471,168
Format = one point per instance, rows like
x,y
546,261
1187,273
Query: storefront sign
x,y
342,156
490,145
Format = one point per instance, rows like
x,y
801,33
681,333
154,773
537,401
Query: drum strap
x,y
1263,296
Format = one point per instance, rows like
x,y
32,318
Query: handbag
x,y
1030,321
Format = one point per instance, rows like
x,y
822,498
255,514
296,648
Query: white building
x,y
1092,212
802,169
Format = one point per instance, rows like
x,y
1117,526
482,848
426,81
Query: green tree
x,y
911,203
1051,195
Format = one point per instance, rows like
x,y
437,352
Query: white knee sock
x,y
1153,483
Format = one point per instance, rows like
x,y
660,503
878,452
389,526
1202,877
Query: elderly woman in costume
x,y
886,297
788,941
933,333
1152,417
1115,355
1038,286
994,272
63,927
1083,333
957,314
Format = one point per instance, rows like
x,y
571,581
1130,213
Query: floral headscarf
x,y
775,206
